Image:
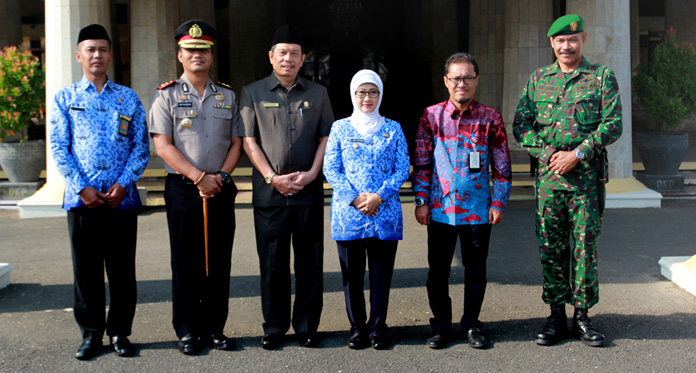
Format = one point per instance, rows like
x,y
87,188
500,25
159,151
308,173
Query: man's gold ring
x,y
366,209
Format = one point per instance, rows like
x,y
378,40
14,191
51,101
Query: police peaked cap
x,y
566,25
93,32
195,34
288,34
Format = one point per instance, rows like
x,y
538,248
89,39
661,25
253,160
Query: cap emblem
x,y
573,26
195,31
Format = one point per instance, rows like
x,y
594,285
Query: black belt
x,y
179,177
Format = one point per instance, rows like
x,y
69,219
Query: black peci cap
x,y
288,34
93,32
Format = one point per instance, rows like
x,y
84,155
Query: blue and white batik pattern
x,y
86,143
354,164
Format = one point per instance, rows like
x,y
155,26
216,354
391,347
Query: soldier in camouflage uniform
x,y
569,112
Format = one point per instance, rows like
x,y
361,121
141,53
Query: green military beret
x,y
566,25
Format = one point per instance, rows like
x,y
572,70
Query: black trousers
x,y
200,302
442,239
380,261
276,228
103,238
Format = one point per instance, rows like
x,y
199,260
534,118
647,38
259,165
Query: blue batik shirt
x,y
356,163
98,139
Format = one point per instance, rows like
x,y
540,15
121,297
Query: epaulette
x,y
225,85
167,84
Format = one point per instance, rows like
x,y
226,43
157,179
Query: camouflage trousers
x,y
568,225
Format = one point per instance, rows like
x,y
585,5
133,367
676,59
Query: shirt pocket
x,y
587,109
223,122
544,111
307,112
186,117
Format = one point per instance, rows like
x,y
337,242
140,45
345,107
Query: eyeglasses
x,y
362,94
469,80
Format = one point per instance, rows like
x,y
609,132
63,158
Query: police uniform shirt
x,y
287,126
201,128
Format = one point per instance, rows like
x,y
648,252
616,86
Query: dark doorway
x,y
345,36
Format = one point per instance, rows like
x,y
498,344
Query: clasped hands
x,y
210,185
562,162
293,183
93,198
367,203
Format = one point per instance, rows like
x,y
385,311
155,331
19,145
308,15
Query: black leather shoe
x,y
476,338
122,346
379,341
556,328
188,345
88,349
583,330
271,341
438,340
308,339
220,342
357,341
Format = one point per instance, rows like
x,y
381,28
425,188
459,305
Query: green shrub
x,y
666,87
22,91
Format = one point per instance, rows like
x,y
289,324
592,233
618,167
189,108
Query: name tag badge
x,y
123,124
474,161
356,140
271,104
77,108
184,104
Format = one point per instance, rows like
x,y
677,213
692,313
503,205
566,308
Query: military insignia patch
x,y
167,84
225,85
573,26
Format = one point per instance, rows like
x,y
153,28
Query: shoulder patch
x,y
167,84
225,85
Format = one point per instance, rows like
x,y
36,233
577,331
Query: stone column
x,y
153,48
10,23
608,42
680,15
635,34
527,48
62,29
488,29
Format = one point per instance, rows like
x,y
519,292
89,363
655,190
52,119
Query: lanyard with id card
x,y
123,124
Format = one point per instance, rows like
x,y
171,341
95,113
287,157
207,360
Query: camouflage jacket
x,y
580,111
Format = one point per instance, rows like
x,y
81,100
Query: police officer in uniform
x,y
193,122
568,114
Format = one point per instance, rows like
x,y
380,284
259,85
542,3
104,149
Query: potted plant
x,y
666,89
22,97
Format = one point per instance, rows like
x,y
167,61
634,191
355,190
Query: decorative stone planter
x,y
662,154
23,161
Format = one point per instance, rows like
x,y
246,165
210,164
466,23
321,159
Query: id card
x,y
123,124
474,161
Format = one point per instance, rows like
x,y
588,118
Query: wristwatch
x,y
579,154
226,178
269,177
419,202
